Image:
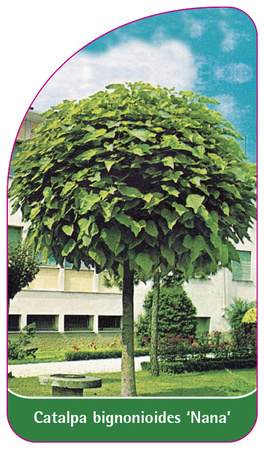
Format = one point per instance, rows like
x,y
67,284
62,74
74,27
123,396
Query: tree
x,y
176,313
154,326
132,179
22,269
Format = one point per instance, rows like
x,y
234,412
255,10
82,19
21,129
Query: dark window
x,y
43,322
78,323
109,323
14,322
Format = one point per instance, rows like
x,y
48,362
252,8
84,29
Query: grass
x,y
221,383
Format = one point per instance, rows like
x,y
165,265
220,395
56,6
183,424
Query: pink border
x,y
104,34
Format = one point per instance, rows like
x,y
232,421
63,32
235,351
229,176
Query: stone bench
x,y
69,385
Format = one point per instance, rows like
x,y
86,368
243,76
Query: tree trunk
x,y
128,387
154,321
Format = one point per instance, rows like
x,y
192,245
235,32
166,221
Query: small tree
x,y
176,314
22,269
237,311
133,179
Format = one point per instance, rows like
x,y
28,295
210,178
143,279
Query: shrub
x,y
244,343
22,268
236,312
84,355
202,365
18,349
176,314
177,349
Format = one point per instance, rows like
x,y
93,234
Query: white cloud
x,y
234,73
195,28
231,37
228,105
232,110
170,64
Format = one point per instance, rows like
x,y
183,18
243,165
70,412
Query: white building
x,y
66,300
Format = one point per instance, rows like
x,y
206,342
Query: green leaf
x,y
49,221
168,161
98,256
84,224
94,229
86,240
130,191
129,223
112,238
68,247
109,164
68,229
216,240
196,181
35,211
170,216
188,241
230,188
208,100
224,255
115,86
168,254
151,228
148,197
86,201
179,208
67,187
143,135
144,261
170,190
186,93
225,208
198,151
194,201
199,245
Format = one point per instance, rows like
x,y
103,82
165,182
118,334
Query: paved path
x,y
76,367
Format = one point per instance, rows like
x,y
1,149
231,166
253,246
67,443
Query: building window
x,y
78,323
43,322
242,269
14,235
14,322
108,323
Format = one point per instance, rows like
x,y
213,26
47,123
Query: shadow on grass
x,y
222,384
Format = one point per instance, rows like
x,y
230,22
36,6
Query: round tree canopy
x,y
250,316
139,174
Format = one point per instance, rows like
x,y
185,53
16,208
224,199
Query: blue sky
x,y
211,51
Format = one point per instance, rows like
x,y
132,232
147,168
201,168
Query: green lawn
x,y
221,383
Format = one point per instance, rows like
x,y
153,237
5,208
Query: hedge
x,y
202,365
84,355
